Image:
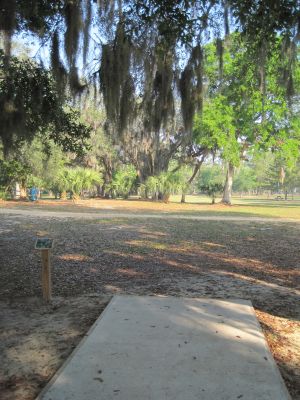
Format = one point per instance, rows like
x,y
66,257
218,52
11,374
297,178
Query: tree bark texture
x,y
183,197
228,185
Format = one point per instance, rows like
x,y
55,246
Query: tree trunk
x,y
100,190
166,197
183,197
75,196
196,169
160,195
63,195
23,192
228,185
155,196
16,192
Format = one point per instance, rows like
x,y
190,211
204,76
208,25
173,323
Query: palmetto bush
x,y
123,181
75,181
163,185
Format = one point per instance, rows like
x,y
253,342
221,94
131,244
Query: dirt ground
x,y
93,259
195,205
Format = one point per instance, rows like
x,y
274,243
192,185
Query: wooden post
x,y
46,275
45,245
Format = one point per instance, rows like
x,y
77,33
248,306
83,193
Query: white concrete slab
x,y
164,348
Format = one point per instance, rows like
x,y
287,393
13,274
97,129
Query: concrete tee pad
x,y
167,348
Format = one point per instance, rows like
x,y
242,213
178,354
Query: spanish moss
x,y
58,69
191,87
73,28
7,23
86,28
115,80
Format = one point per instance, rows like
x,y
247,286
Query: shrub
x,y
212,189
123,181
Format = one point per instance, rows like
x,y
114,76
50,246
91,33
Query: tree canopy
x,y
148,50
30,105
178,79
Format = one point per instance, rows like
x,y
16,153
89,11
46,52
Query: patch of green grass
x,y
247,207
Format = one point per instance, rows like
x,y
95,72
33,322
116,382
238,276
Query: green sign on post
x,y
43,244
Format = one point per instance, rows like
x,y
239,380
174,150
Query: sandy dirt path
x,y
105,214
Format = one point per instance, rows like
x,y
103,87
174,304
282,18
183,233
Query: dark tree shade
x,y
31,105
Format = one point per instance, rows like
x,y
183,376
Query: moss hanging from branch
x,y
187,103
106,5
86,28
73,21
115,80
226,17
7,23
162,107
110,92
191,87
55,58
58,70
127,104
76,84
149,69
73,29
